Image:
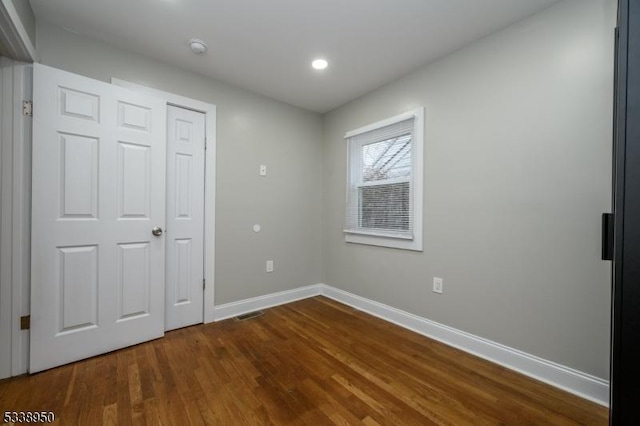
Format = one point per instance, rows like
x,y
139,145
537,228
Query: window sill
x,y
400,236
384,241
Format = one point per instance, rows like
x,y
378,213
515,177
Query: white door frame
x,y
15,223
209,111
13,34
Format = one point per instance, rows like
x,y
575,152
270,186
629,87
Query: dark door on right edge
x,y
625,345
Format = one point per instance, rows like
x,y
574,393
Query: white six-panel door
x,y
185,217
98,275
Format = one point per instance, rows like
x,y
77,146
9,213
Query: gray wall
x,y
517,172
251,130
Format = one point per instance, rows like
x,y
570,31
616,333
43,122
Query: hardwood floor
x,y
311,362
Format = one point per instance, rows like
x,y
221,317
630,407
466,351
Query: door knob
x,y
157,231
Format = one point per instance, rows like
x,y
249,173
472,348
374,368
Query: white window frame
x,y
387,239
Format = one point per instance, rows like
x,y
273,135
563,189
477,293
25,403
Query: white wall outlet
x,y
437,285
269,265
263,170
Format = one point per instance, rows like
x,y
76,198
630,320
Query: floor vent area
x,y
248,316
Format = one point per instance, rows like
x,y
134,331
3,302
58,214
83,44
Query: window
x,y
384,188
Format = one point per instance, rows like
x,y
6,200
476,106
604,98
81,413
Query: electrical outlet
x,y
437,285
269,265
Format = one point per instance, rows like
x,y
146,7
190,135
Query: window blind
x,y
379,194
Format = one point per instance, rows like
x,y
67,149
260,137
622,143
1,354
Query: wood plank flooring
x,y
312,362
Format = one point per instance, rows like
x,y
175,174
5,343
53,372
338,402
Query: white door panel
x,y
185,217
98,190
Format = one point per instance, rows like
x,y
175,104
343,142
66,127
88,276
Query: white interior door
x,y
98,190
185,217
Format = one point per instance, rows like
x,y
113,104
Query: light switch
x,y
263,170
437,285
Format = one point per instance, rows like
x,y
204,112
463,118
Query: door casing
x,y
15,191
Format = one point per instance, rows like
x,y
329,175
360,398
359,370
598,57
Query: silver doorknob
x,y
157,231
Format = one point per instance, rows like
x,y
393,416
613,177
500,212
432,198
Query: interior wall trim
x,y
13,35
576,382
579,383
15,215
233,309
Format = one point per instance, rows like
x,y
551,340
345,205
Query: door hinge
x,y
205,144
203,284
27,108
25,322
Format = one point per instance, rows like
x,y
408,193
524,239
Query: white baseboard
x,y
576,382
233,309
584,385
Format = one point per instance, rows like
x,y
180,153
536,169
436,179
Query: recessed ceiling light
x,y
198,46
319,64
